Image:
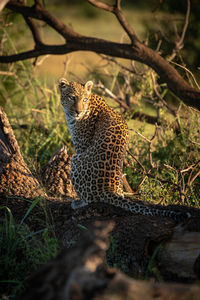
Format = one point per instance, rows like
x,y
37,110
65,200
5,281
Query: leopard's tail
x,y
145,209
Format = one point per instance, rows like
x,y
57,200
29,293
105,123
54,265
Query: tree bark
x,y
15,177
81,273
56,174
180,255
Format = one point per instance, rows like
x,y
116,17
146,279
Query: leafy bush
x,y
172,164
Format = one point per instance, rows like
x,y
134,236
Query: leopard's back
x,y
101,141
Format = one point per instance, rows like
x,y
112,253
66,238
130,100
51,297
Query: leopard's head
x,y
75,97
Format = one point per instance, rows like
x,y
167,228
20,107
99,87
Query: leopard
x,y
100,137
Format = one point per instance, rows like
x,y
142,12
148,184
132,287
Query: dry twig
x,y
181,184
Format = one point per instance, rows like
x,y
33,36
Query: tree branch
x,y
116,10
3,4
179,43
102,5
40,13
76,42
35,32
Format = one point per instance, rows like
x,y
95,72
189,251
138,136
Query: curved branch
x,y
40,13
186,23
102,5
34,31
116,10
3,4
76,42
180,39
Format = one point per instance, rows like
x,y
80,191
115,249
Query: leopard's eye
x,y
85,99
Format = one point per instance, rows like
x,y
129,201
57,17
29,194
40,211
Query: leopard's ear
x,y
62,83
88,86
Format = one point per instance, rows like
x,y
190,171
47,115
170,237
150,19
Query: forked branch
x,y
35,32
180,39
116,10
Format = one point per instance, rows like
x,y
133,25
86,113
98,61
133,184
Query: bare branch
x,y
34,31
112,59
111,95
137,161
173,112
102,5
186,23
182,183
76,42
188,71
7,73
116,10
179,43
124,23
40,13
192,179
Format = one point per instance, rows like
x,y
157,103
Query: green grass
x,y
37,117
174,158
22,251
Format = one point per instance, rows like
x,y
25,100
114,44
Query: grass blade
x,y
34,203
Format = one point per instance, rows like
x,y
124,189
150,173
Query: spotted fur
x,y
100,138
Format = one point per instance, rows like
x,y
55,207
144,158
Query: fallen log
x,y
80,273
180,255
137,240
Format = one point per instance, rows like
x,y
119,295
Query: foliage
x,y
35,113
152,267
22,250
171,168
